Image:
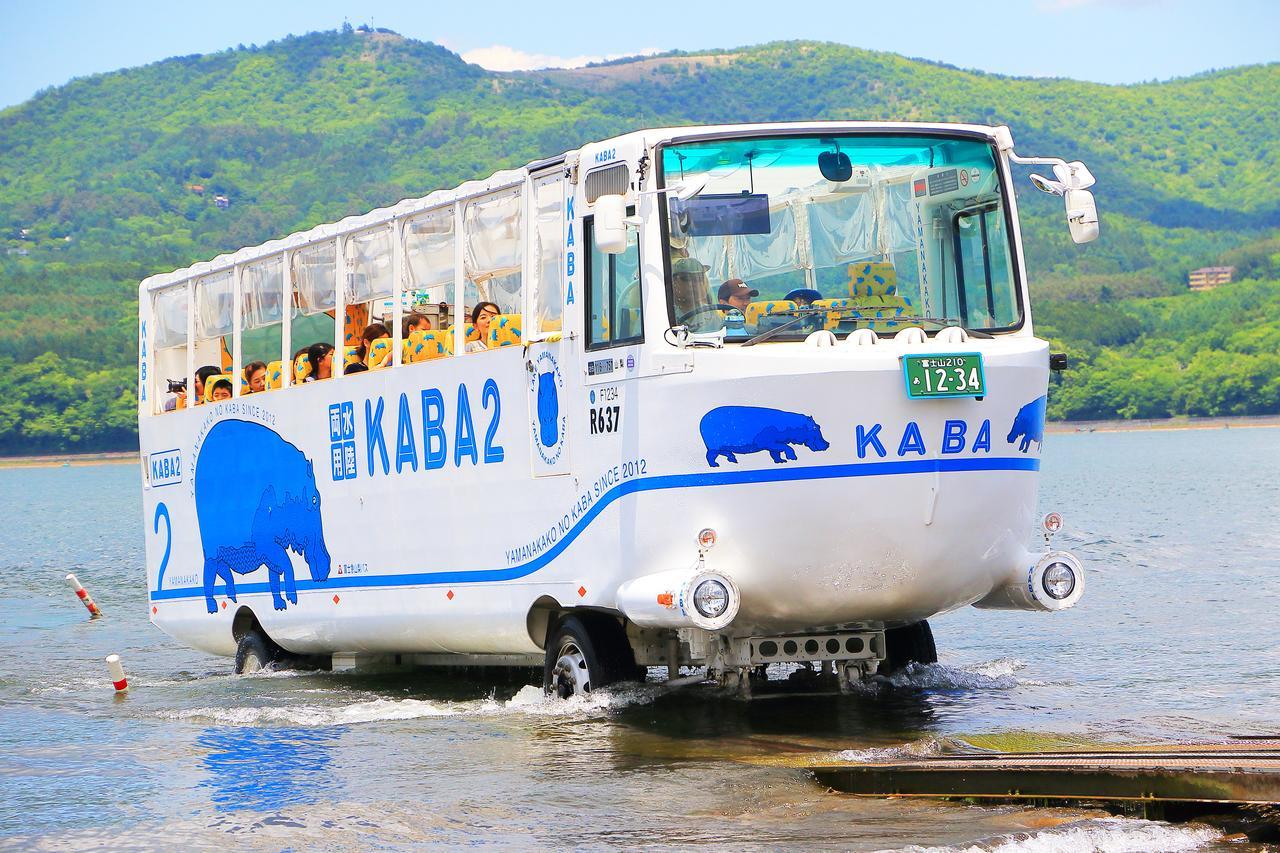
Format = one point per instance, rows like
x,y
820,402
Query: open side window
x,y
614,305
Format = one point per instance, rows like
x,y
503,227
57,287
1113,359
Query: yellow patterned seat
x,y
354,319
301,368
274,375
424,346
838,312
758,310
504,330
350,355
380,353
470,332
874,288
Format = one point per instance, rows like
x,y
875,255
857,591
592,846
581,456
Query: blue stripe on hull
x,y
645,484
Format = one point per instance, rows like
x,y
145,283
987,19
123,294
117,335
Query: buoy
x,y
118,680
83,595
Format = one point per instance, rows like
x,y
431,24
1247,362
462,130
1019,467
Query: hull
x,y
447,515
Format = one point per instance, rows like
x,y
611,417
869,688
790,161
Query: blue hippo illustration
x,y
1029,424
548,410
256,498
729,430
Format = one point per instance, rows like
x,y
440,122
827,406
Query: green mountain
x,y
113,177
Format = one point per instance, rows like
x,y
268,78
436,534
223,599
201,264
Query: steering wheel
x,y
703,309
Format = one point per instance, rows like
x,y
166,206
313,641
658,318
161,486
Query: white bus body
x,y
458,508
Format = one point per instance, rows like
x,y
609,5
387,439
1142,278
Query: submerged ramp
x,y
1245,773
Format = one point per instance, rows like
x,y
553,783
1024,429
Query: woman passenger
x,y
481,316
372,332
320,357
255,374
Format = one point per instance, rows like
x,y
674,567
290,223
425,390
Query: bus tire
x,y
909,644
586,652
254,652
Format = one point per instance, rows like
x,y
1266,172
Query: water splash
x,y
1101,835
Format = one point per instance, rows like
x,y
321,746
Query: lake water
x,y
1175,639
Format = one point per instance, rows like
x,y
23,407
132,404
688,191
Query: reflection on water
x,y
267,769
1173,640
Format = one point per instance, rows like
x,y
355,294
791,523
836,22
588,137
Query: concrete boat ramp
x,y
1239,780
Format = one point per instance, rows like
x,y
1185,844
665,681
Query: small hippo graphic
x,y
729,430
256,498
1029,424
548,410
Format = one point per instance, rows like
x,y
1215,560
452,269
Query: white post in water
x,y
83,595
118,681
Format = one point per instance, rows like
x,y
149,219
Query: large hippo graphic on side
x,y
1029,424
256,498
729,430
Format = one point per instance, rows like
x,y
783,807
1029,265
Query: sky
x,y
1107,41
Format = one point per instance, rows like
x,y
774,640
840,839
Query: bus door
x,y
551,362
613,334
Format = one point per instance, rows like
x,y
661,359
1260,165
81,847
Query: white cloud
x,y
502,58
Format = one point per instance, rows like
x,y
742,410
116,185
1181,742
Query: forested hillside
x,y
113,177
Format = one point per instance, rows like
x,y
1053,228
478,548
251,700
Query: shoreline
x,y
1164,424
70,460
121,457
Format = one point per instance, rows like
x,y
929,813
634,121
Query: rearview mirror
x,y
835,166
1082,215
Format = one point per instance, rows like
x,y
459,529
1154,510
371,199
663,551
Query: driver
x,y
692,296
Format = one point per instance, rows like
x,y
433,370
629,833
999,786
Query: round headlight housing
x,y
1059,581
711,599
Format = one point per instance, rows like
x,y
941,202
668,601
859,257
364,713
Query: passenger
x,y
221,390
481,315
414,322
372,332
735,292
320,357
803,296
202,376
358,367
255,374
293,362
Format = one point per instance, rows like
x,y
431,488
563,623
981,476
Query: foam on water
x,y
528,701
1101,835
991,675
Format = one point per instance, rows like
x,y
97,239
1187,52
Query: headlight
x,y
710,599
1059,581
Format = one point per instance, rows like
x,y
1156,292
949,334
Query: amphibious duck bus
x,y
706,397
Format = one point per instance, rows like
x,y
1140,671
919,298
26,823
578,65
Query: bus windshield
x,y
837,233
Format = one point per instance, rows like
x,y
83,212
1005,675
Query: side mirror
x,y
1082,215
610,231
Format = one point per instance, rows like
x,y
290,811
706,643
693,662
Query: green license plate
x,y
951,375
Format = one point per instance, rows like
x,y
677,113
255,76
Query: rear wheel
x,y
586,652
909,644
254,652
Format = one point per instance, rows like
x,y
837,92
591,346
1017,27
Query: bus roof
x,y
512,177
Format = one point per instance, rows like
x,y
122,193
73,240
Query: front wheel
x,y
909,644
584,653
254,653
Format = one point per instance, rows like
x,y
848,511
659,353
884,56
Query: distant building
x,y
222,201
1207,278
198,189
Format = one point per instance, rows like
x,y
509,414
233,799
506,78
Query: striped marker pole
x,y
118,681
83,595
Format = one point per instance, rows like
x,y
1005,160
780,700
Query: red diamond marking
x,y
449,595
336,599
224,605
582,592
154,610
